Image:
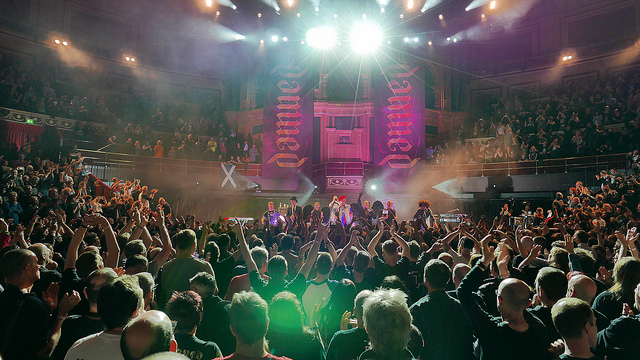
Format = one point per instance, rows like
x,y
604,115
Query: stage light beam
x,y
321,37
365,37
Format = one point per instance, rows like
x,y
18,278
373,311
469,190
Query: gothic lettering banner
x,y
288,123
398,132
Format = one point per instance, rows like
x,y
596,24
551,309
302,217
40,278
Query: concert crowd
x,y
187,126
91,272
580,118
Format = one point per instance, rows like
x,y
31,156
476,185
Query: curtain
x,y
21,133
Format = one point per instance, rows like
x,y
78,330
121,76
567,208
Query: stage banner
x,y
398,132
288,123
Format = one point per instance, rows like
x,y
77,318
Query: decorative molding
x,y
30,118
341,182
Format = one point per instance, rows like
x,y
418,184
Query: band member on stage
x,y
344,212
294,215
271,218
421,216
315,217
367,217
334,206
388,214
505,211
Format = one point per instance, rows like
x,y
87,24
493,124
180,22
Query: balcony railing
x,y
106,165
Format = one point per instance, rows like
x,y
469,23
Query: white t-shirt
x,y
100,346
314,294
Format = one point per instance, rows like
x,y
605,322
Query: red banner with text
x,y
288,123
399,113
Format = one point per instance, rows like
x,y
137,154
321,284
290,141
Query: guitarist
x,y
294,215
419,222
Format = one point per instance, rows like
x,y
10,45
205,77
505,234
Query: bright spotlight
x,y
285,39
467,9
483,16
492,4
448,39
373,187
274,38
277,8
133,59
65,43
129,59
335,16
321,37
317,9
401,16
56,41
218,13
240,37
441,17
455,39
406,39
423,10
415,39
382,10
366,37
364,16
234,7
298,14
430,43
290,2
410,4
261,41
209,3
565,58
259,15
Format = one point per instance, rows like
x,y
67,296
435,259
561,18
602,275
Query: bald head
x,y
147,334
513,295
448,259
582,287
42,252
459,272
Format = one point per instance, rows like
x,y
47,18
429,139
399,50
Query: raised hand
x,y
68,302
568,243
50,296
344,320
487,254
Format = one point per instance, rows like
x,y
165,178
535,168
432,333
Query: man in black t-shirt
x,y
185,309
577,325
215,319
25,333
349,344
514,335
445,328
75,327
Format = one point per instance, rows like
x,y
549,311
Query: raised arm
x,y
113,250
343,254
76,239
402,242
244,250
371,248
323,231
163,255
